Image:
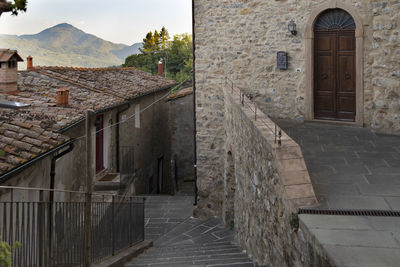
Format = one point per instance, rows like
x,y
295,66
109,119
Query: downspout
x,y
194,106
52,181
53,168
117,135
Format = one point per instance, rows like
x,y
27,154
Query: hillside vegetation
x,y
65,45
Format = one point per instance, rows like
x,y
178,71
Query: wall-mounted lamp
x,y
292,27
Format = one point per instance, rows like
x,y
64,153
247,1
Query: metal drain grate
x,y
380,213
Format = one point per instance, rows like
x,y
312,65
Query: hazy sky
x,y
120,21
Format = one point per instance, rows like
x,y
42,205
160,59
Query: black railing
x,y
246,99
53,233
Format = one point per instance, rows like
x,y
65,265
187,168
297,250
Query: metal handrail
x,y
63,191
277,132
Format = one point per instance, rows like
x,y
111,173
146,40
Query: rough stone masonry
x,y
239,40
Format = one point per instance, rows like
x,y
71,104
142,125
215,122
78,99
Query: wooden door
x,y
99,143
334,74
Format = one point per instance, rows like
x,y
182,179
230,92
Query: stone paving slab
x,y
349,161
357,240
352,168
364,256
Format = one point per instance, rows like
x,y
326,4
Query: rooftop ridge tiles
x,y
83,68
63,78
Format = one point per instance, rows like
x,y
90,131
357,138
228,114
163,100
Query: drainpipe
x,y
117,135
194,107
52,181
53,168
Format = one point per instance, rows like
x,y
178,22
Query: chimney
x,y
29,63
160,69
62,97
9,71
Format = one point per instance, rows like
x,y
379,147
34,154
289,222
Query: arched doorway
x,y
309,35
334,66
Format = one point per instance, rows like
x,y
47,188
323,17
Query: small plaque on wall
x,y
282,60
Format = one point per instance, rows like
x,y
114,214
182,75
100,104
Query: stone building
x,y
330,62
44,115
8,65
182,136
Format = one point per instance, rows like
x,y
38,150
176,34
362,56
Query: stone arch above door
x,y
309,58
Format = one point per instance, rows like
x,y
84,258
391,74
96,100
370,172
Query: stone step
x,y
107,186
240,264
192,229
198,250
228,261
213,244
191,258
177,231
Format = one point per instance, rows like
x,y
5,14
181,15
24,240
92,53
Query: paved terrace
x,y
352,168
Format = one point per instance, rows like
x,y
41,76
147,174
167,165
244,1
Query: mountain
x,y
66,45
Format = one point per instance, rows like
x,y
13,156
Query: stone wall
x,y
181,125
147,134
239,39
150,142
265,194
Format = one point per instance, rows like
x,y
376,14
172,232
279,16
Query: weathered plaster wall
x,y
265,193
182,136
150,142
239,39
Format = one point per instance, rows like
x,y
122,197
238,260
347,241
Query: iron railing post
x,y
89,180
112,227
131,219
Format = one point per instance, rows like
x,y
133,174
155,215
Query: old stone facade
x,y
263,186
240,40
181,114
236,43
135,121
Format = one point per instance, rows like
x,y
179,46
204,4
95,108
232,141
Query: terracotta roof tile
x,y
28,132
18,144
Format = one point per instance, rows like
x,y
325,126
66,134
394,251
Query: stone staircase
x,y
192,242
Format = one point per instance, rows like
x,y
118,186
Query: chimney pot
x,y
160,69
62,96
29,63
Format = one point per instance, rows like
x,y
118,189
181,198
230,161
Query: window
x,y
12,64
137,116
99,143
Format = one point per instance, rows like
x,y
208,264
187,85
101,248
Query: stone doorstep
x,y
126,255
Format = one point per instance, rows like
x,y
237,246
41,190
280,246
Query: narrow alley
x,y
181,240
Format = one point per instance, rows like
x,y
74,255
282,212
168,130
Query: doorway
x,y
99,143
334,66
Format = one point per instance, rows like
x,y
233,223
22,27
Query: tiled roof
x,y
124,82
181,93
96,89
7,54
22,141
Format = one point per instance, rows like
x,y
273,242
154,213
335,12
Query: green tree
x,y
148,42
177,54
14,6
180,57
5,252
164,38
156,37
